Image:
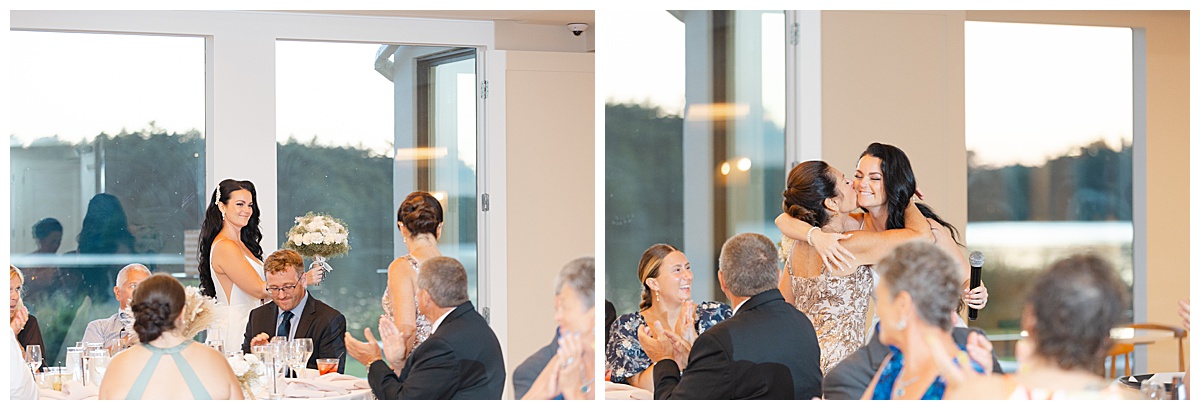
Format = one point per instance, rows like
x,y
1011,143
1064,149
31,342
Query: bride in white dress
x,y
230,260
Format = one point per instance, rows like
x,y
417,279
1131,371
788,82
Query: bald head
x,y
127,280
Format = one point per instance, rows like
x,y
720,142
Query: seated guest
x,y
294,313
1067,316
570,374
193,370
666,278
112,328
766,350
849,378
527,372
916,296
22,323
461,359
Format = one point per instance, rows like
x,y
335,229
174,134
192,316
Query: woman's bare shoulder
x,y
400,268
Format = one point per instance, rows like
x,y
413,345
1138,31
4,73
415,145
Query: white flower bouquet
x,y
251,374
319,236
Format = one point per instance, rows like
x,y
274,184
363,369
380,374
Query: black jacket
x,y
461,360
767,350
319,322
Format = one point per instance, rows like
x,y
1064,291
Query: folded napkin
x,y
345,381
312,388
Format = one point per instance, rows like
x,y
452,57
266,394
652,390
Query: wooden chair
x,y
1179,334
1118,349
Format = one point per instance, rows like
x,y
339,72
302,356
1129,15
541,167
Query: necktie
x,y
285,330
285,327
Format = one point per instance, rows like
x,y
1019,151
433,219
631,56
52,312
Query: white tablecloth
x,y
617,391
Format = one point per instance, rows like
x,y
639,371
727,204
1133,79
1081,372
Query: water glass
x,y
98,364
217,345
75,362
1153,391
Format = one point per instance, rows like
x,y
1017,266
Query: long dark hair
x,y
156,303
105,230
899,182
251,235
808,185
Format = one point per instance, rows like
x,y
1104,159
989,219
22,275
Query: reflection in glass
x,y
107,168
692,177
359,127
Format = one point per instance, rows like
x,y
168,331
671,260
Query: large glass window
x,y
107,168
694,139
1049,112
359,127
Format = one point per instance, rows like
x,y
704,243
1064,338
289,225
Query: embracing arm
x,y
229,260
869,246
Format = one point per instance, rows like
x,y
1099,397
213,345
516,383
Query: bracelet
x,y
810,230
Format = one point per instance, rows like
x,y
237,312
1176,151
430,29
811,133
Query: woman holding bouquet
x,y
230,257
420,222
194,371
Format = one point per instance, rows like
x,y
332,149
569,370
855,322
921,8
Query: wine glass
x,y
217,345
99,360
304,346
33,357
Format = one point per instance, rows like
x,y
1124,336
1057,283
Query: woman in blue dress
x,y
916,295
666,278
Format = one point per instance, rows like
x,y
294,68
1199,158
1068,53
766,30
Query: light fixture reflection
x,y
422,153
725,168
743,164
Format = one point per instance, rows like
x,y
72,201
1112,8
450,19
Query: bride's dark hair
x,y
212,225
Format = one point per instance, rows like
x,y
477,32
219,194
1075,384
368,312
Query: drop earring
x,y
657,296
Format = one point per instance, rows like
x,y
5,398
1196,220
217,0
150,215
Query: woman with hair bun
x,y
666,277
192,371
420,222
835,300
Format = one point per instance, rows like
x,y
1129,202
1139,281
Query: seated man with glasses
x,y
294,313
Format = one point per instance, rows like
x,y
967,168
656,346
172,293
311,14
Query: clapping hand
x,y
395,341
655,342
365,352
686,326
957,374
571,365
980,350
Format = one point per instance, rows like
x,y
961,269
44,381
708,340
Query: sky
x,y
77,85
1031,90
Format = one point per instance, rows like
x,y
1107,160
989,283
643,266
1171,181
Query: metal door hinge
x,y
483,90
487,205
487,315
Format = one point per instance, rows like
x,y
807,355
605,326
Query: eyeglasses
x,y
288,288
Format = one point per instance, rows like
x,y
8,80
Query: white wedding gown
x,y
234,310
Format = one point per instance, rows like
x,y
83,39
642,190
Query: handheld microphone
x,y
976,260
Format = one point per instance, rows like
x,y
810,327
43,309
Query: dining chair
x,y
1178,332
1118,349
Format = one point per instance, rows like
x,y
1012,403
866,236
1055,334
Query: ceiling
x,y
546,17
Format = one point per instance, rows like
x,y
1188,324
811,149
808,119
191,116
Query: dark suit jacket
x,y
323,324
767,350
527,372
461,360
849,378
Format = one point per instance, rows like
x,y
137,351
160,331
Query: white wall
x,y
550,143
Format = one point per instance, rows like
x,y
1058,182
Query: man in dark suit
x,y
766,350
849,378
294,313
461,359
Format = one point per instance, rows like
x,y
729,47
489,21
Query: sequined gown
x,y
424,327
837,307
